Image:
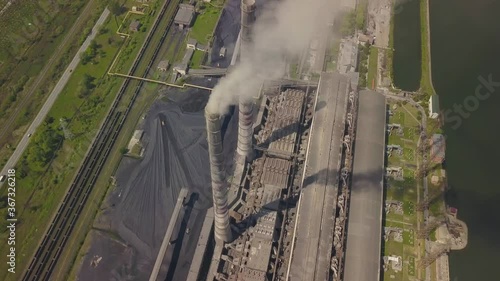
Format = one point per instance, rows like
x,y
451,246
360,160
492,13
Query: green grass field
x,y
197,58
24,52
205,22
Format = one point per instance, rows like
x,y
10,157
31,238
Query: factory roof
x,y
249,274
275,172
434,104
192,42
261,245
285,122
364,230
185,14
348,58
260,252
187,56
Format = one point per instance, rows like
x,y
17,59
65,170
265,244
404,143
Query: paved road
x,y
316,219
52,97
364,230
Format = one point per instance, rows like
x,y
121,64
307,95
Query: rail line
x,y
45,259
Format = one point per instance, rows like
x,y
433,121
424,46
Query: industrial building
x,y
184,16
281,214
364,232
434,106
258,206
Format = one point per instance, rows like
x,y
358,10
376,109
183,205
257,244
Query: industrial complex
x,y
291,177
283,212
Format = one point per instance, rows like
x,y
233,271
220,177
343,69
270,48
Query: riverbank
x,y
433,262
426,85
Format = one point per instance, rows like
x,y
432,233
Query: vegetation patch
x,y
364,51
206,20
411,266
197,59
372,68
409,237
47,166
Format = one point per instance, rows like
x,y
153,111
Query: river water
x,y
465,46
407,54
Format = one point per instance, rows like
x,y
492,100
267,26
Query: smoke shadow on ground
x,y
320,105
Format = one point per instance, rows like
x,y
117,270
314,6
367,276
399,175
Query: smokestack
x,y
218,175
247,20
244,147
245,134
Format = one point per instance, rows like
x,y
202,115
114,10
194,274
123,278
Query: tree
x,y
45,146
88,81
85,86
123,150
115,8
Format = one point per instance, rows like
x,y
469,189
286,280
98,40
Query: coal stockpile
x,y
137,212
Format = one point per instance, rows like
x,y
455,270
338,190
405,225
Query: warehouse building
x,y
184,16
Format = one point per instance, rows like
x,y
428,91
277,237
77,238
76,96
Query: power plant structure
x,y
245,108
248,17
218,176
245,135
281,213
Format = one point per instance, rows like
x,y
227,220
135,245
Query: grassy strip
x,y
364,52
197,59
390,51
404,191
205,22
372,68
425,81
42,192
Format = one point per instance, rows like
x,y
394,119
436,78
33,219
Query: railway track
x,y
47,255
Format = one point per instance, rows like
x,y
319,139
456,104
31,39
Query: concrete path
x,y
52,97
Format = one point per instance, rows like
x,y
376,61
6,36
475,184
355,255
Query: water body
x,y
407,54
465,45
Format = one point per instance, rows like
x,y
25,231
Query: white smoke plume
x,y
282,29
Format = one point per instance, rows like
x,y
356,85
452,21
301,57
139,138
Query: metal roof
x,y
184,15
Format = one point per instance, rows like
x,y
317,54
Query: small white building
x,y
434,107
222,52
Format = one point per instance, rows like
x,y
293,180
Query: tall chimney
x,y
247,19
218,175
244,147
245,116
